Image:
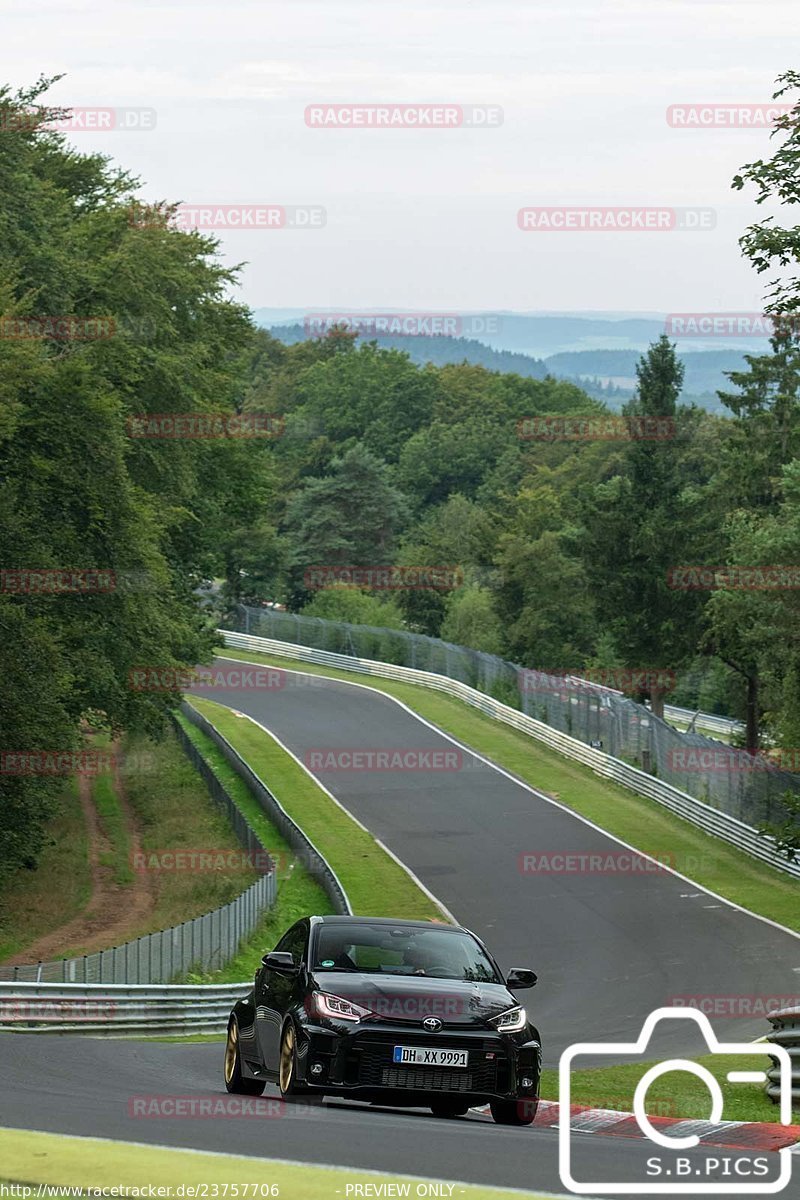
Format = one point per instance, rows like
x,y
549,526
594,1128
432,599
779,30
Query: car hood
x,y
412,998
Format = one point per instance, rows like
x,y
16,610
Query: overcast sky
x,y
427,219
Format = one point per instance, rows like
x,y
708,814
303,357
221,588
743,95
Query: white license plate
x,y
422,1056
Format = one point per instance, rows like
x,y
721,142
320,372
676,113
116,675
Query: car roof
x,y
337,919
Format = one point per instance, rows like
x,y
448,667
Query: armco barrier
x,y
117,1010
313,861
720,824
786,1033
709,722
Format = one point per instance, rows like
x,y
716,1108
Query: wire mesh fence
x,y
749,788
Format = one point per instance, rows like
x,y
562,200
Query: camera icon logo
x,y
688,1177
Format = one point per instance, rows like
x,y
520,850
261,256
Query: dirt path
x,y
115,912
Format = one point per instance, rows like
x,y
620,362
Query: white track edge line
x,y
442,908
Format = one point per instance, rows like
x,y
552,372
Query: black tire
x,y
234,1079
513,1112
449,1108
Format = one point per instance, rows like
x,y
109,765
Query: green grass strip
x,y
375,884
30,1157
642,823
114,826
298,893
32,903
676,1094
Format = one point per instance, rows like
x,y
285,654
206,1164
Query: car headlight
x,y
511,1021
324,1004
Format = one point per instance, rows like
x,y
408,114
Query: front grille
x,y
427,1079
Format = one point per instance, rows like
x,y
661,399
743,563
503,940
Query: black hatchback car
x,y
392,1012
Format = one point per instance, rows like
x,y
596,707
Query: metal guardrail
x,y
710,722
712,821
313,860
117,1010
204,943
786,1033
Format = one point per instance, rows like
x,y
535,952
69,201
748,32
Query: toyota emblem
x,y
432,1024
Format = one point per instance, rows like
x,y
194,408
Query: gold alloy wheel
x,y
231,1047
287,1058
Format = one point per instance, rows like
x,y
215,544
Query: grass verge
x,y
34,902
642,823
298,893
174,812
677,1094
374,882
114,826
45,1158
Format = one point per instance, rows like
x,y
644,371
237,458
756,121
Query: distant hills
x,y
605,372
540,335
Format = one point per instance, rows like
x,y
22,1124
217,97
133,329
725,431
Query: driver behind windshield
x,y
424,958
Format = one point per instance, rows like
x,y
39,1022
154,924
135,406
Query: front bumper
x,y
358,1062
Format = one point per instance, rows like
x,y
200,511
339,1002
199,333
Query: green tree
x,y
350,517
769,246
77,490
456,536
756,629
471,620
356,607
766,432
642,523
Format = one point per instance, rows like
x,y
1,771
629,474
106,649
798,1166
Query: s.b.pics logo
x,y
679,1162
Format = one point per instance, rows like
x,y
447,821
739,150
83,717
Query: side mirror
x,y
521,977
280,961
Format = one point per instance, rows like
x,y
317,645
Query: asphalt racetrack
x,y
609,948
88,1086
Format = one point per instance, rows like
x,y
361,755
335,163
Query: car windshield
x,y
402,950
